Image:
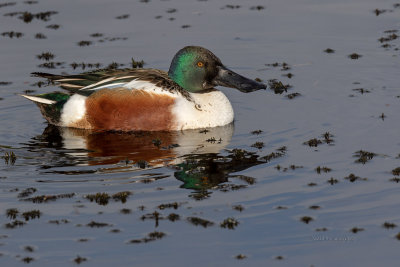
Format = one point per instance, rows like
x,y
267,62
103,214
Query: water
x,y
271,198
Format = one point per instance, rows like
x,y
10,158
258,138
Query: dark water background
x,y
288,213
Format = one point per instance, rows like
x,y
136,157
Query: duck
x,y
183,98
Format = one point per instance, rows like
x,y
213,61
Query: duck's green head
x,y
196,69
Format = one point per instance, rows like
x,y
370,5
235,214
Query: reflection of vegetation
x,y
211,171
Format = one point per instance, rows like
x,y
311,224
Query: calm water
x,y
284,210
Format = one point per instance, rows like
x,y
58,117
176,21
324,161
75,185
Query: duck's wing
x,y
89,82
76,82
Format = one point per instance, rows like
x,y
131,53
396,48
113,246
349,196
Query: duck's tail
x,y
50,105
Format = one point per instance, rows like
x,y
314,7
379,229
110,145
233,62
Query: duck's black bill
x,y
231,79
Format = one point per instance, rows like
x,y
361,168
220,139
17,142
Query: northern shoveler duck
x,y
146,99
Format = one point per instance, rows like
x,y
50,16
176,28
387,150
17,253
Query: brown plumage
x,y
129,110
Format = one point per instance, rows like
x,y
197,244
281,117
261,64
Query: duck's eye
x,y
200,64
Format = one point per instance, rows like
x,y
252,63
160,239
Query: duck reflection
x,y
199,157
157,148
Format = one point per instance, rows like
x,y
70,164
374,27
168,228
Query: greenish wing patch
x,y
55,96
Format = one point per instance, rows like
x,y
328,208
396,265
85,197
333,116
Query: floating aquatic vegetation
x,y
230,187
395,179
363,156
27,259
292,167
9,158
99,198
329,51
231,7
293,95
240,257
62,221
323,229
53,26
14,224
389,225
125,16
314,142
320,169
112,39
306,219
229,223
200,194
12,34
379,11
238,207
5,83
396,171
258,145
284,66
174,205
7,4
113,66
280,152
333,181
29,249
125,211
51,65
171,10
156,216
12,213
40,36
173,217
354,56
278,87
84,43
150,237
314,207
137,64
31,2
289,75
279,258
199,221
185,26
96,35
352,178
30,215
388,38
83,65
355,230
79,259
312,184
45,56
361,90
121,196
256,132
27,17
45,198
97,224
257,8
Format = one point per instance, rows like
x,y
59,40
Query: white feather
x,y
148,87
73,110
39,99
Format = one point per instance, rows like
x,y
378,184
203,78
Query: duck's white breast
x,y
213,109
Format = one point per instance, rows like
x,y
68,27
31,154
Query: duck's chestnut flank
x,y
129,110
